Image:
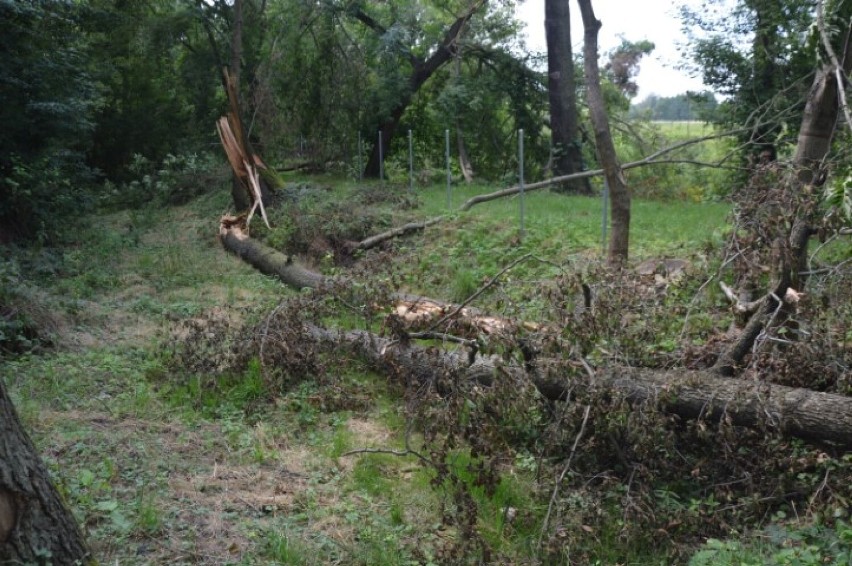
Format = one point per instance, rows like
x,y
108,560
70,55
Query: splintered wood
x,y
426,314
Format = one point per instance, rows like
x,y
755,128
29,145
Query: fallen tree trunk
x,y
796,412
404,230
478,199
415,311
801,413
265,259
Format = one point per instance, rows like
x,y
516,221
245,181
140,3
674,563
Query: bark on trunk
x,y
561,89
802,413
268,261
619,195
464,159
35,525
797,412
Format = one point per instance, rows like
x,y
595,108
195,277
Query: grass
x,y
573,224
164,465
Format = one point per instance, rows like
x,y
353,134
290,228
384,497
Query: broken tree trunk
x,y
35,525
690,394
802,413
417,313
652,159
813,145
265,259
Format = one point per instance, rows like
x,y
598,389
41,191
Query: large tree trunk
x,y
561,89
421,71
814,142
35,525
689,394
802,413
242,200
619,195
464,159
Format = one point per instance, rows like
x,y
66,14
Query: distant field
x,y
684,129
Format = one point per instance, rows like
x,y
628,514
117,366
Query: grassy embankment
x,y
164,466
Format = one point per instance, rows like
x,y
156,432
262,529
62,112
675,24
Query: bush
x,y
177,180
24,323
38,198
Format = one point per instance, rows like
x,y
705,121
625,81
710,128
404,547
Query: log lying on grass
x,y
796,412
418,313
802,413
265,259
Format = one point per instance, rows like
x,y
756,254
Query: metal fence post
x,y
604,216
521,176
449,177
381,159
410,163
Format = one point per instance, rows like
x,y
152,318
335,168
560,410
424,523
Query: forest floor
x,y
169,465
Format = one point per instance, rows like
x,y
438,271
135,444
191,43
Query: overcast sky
x,y
654,20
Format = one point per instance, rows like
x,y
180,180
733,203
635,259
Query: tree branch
x,y
838,68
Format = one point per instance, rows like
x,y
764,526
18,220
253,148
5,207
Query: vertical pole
x,y
410,163
521,176
449,177
604,217
381,159
360,157
550,160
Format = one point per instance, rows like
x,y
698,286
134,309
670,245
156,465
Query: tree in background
x,y
758,56
417,64
562,93
154,71
48,97
623,65
619,193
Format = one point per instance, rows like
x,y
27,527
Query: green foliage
x,y
322,228
761,55
220,395
688,106
287,549
18,332
782,545
838,195
158,80
48,98
176,180
693,174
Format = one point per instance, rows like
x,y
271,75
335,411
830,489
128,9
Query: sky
x,y
654,20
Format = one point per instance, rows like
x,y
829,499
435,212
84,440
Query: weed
x,y
285,549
